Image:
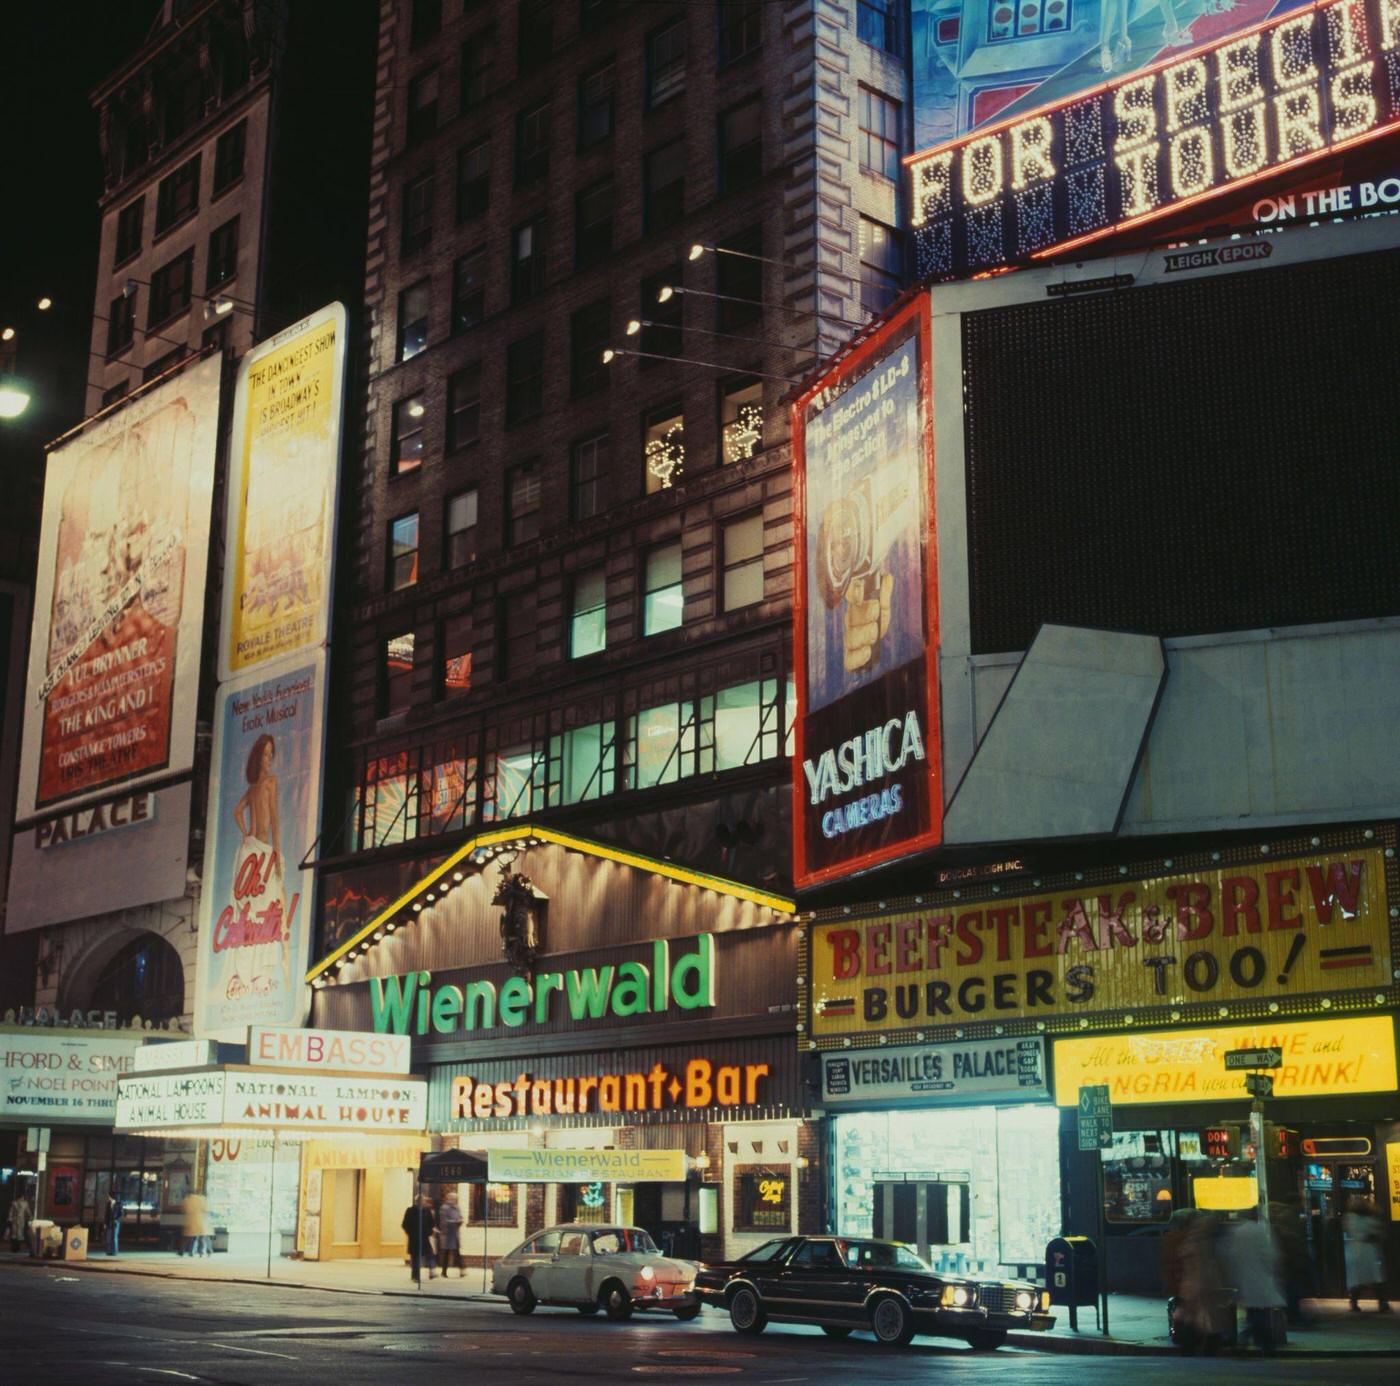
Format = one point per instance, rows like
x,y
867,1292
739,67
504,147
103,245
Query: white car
x,y
596,1265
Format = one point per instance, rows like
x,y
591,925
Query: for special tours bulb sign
x,y
1288,92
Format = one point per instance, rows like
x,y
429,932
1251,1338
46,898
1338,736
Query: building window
x,y
877,23
666,63
582,764
525,378
740,420
588,478
464,407
743,562
879,134
741,145
171,287
518,781
535,33
663,745
413,320
588,617
663,447
129,225
407,443
115,392
422,105
223,255
740,29
881,265
595,104
532,143
184,101
663,175
527,260
475,69
749,723
403,552
663,602
473,180
396,674
588,336
663,338
515,652
739,280
459,529
593,224
228,156
426,21
523,503
121,323
762,1199
417,229
161,364
469,290
178,196
456,656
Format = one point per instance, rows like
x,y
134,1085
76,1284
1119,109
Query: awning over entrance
x,y
453,1167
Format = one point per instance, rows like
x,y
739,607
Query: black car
x,y
846,1283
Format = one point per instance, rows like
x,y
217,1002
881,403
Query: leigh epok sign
x,y
867,768
1218,118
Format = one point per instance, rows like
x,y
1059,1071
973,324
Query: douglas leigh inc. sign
x,y
1295,89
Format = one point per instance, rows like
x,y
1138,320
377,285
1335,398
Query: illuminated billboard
x,y
119,602
867,767
264,815
1083,160
283,468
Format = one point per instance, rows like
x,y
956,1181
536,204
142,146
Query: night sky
x,y
50,60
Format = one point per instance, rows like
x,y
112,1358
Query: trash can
x,y
1072,1275
75,1244
47,1239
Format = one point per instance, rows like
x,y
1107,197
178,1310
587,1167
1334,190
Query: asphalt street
x,y
58,1326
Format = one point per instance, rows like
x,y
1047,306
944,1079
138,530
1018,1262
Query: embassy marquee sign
x,y
1288,92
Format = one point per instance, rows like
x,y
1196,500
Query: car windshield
x,y
881,1256
617,1239
769,1251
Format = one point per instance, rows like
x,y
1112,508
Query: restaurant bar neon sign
x,y
1287,92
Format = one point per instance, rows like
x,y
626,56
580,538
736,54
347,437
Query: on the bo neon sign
x,y
1276,96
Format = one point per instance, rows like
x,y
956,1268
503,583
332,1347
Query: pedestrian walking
x,y
1363,1237
1293,1252
419,1225
17,1223
450,1235
116,1210
1192,1275
1252,1262
195,1213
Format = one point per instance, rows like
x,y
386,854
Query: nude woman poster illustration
x,y
263,820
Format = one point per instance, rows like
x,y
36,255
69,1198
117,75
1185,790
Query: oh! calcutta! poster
x,y
264,807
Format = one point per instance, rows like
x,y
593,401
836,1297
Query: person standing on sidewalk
x,y
115,1210
195,1211
419,1224
1363,1235
17,1224
450,1234
1252,1258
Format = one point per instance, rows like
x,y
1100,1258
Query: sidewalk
x,y
1138,1323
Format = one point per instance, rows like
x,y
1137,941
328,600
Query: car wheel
x,y
986,1339
521,1296
687,1312
746,1311
615,1302
832,1331
587,1310
891,1322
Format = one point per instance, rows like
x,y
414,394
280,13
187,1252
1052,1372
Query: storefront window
x,y
585,1202
963,1185
1137,1177
495,1203
762,1199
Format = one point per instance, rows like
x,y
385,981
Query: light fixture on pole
x,y
635,325
611,352
698,248
665,293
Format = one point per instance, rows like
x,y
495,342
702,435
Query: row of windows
x,y
172,288
739,35
214,338
739,150
177,196
453,783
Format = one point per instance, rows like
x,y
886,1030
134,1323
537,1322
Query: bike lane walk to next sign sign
x,y
1095,1117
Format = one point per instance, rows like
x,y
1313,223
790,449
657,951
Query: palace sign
x,y
1289,928
1288,92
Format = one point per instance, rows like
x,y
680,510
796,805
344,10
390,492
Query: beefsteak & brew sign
x,y
1295,925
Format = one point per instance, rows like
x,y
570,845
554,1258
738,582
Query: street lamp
x,y
14,397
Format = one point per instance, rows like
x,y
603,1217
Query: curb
x,y
1030,1342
